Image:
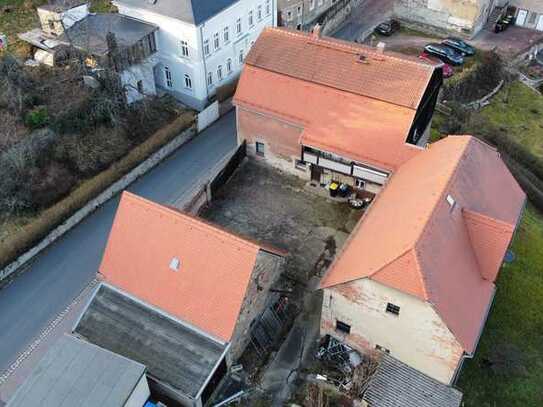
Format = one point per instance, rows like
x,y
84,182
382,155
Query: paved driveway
x,y
60,273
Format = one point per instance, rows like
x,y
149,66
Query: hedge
x,y
48,219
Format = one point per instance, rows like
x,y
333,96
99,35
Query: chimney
x,y
381,47
316,32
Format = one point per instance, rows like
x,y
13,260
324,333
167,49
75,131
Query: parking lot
x,y
277,209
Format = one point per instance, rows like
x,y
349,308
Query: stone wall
x,y
268,268
417,336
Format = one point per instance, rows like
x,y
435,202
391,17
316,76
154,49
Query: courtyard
x,y
279,209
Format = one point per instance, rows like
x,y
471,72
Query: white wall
x,y
417,336
141,72
140,394
172,31
238,42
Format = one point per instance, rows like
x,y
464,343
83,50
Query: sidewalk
x,y
19,370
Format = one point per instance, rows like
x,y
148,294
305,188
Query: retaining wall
x,y
107,194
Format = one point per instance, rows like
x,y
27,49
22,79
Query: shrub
x,y
37,117
49,184
476,82
88,154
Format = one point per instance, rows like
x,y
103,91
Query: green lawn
x,y
516,326
518,109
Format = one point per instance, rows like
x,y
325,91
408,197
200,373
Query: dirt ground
x,y
274,208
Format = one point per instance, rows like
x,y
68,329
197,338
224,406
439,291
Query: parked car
x,y
460,45
446,54
388,27
448,70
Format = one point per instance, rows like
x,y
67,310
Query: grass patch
x,y
514,323
518,110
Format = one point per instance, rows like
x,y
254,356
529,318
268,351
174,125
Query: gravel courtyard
x,y
278,209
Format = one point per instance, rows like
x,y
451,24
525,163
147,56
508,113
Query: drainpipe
x,y
204,60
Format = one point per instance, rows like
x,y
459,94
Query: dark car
x,y
446,54
459,45
388,27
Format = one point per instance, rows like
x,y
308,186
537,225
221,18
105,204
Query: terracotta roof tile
x,y
446,255
346,66
363,129
215,266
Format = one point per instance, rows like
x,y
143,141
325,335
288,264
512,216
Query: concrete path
x,y
62,271
365,16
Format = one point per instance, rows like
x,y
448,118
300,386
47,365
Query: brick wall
x,y
268,268
281,138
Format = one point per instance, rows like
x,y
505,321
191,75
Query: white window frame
x,y
259,12
219,73
268,7
226,35
188,81
216,41
239,26
206,47
251,18
168,76
241,57
209,79
184,48
228,66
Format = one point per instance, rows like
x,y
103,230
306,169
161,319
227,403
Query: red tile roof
x,y
346,66
214,272
358,128
448,256
361,110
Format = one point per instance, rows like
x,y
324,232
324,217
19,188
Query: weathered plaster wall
x,y
417,336
267,270
467,16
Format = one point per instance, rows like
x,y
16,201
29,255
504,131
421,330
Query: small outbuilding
x,y
77,373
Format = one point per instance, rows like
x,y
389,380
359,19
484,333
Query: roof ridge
x,y
345,45
445,187
350,238
196,223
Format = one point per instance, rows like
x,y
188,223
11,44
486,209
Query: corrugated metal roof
x,y
396,384
76,373
173,352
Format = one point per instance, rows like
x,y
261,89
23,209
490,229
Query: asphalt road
x,y
365,16
60,273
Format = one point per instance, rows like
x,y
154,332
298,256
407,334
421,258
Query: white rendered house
x,y
201,44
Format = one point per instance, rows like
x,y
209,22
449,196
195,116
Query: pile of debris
x,y
346,369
